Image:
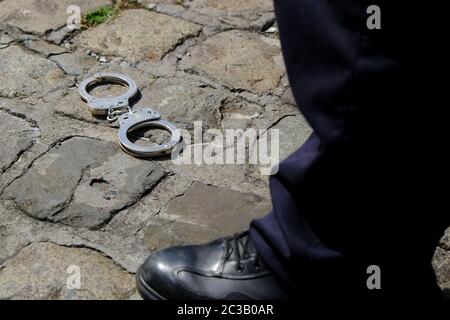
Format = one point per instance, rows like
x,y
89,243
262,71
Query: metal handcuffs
x,y
118,108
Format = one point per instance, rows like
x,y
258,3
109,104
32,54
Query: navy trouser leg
x,y
347,198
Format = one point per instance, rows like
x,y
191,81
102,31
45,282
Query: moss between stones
x,y
99,16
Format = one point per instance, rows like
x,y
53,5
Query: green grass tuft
x,y
99,16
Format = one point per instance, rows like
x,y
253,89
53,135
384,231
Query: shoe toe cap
x,y
159,271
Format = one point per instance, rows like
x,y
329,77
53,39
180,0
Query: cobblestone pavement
x,y
70,197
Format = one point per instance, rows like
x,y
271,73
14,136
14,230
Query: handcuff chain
x,y
115,113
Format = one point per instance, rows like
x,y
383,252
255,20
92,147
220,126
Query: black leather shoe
x,y
228,268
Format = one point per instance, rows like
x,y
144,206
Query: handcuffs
x,y
118,108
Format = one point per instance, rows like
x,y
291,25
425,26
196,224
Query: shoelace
x,y
240,243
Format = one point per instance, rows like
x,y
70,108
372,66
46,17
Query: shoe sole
x,y
146,292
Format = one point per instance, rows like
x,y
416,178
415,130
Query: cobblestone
x,y
70,197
